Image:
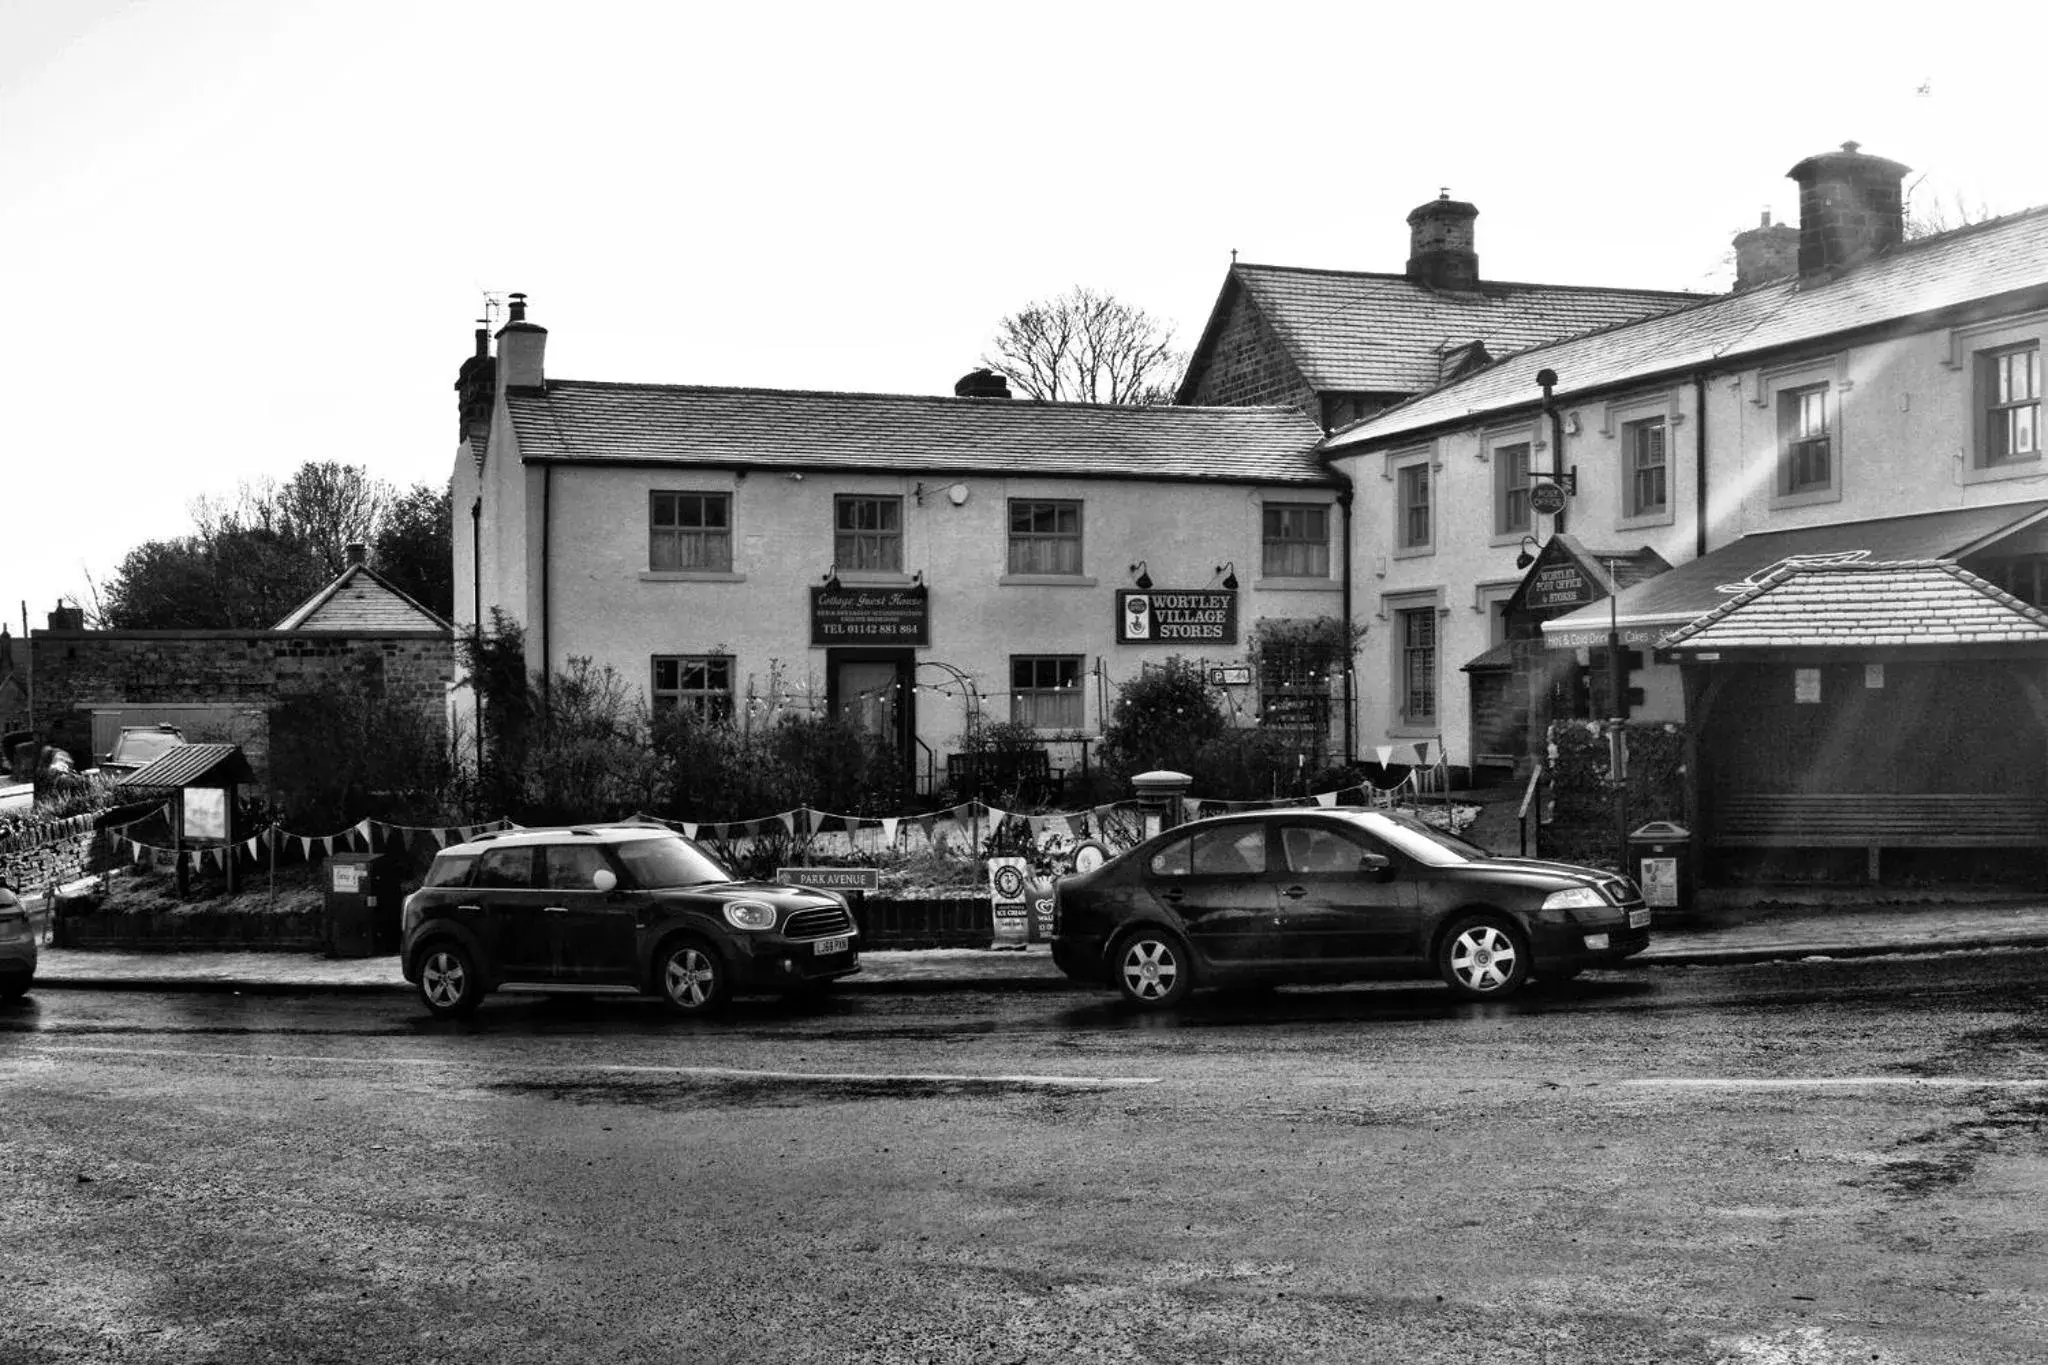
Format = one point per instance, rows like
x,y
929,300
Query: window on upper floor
x,y
1646,467
867,534
1045,536
1511,488
1045,691
689,531
2009,405
1806,451
1413,525
699,683
1296,540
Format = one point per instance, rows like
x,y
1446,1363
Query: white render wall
x,y
1904,423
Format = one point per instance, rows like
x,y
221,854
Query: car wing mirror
x,y
604,879
1376,865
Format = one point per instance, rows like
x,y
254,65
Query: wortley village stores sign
x,y
871,616
1175,616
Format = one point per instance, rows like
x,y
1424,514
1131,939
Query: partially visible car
x,y
139,745
1323,894
621,907
18,952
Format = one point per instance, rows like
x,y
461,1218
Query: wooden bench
x,y
1881,819
1877,820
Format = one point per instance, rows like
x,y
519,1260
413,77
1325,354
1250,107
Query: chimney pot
x,y
981,384
522,350
357,552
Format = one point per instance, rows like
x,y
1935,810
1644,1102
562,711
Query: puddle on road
x,y
781,1091
1944,1157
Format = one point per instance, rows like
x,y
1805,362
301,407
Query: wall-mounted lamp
x,y
1229,571
1141,576
831,579
956,493
1527,552
917,579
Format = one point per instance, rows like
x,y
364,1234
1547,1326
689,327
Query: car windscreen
x,y
1423,843
657,863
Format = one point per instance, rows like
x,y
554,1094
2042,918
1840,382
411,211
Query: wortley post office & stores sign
x,y
1176,616
871,616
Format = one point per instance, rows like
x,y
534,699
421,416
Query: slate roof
x,y
1350,331
1969,264
1705,584
192,765
360,601
687,424
1916,603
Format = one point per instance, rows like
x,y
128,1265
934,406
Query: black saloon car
x,y
1330,894
628,907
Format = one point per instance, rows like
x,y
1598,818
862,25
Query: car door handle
x,y
1294,893
557,909
1173,894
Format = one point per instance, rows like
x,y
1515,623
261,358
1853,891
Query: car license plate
x,y
1639,919
826,946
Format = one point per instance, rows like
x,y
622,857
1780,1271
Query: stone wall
x,y
1248,366
75,671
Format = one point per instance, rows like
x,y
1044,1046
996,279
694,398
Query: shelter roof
x,y
192,765
1916,603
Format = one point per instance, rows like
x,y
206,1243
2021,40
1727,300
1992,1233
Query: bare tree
x,y
331,506
1087,346
1927,216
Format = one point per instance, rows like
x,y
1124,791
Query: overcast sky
x,y
238,235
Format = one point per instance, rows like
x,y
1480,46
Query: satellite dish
x,y
957,494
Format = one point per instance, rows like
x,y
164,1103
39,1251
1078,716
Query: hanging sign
x,y
1546,498
870,616
1176,616
1560,584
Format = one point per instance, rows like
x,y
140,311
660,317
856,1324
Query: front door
x,y
870,689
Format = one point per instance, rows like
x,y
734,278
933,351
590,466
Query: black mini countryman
x,y
629,907
1329,894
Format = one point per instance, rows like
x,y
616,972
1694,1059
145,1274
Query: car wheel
x,y
1153,970
691,977
1483,957
449,985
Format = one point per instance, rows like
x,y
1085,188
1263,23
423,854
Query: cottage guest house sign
x,y
1176,616
870,616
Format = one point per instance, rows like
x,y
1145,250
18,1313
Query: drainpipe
x,y
1547,378
1699,463
1344,500
476,614
547,486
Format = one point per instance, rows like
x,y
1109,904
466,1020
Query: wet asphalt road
x,y
1801,1163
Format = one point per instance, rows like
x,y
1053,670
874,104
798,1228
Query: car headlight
x,y
1578,898
750,914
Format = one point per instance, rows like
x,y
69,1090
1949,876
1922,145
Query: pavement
x,y
1759,934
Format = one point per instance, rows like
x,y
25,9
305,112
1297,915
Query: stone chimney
x,y
981,384
67,618
357,552
1440,252
476,394
1766,253
521,346
1850,208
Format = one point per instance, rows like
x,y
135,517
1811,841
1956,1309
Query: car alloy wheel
x,y
448,981
692,978
1152,969
1483,958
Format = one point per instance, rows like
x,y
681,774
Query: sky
x,y
240,235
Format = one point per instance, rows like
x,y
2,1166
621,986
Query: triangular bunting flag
x,y
305,846
1422,754
1385,753
689,829
250,844
996,817
1326,798
363,828
327,843
788,819
139,850
890,824
440,837
1190,808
